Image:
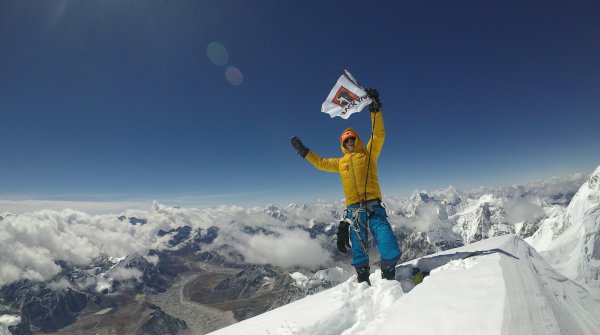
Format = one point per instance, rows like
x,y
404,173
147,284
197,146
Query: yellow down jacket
x,y
352,167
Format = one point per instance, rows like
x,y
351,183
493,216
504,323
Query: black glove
x,y
375,106
343,237
297,144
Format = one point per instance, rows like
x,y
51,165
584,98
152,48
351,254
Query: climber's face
x,y
349,144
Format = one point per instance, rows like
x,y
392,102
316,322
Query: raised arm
x,y
325,164
376,143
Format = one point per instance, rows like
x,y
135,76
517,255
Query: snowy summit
x,y
506,289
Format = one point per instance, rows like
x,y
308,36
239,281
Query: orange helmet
x,y
347,133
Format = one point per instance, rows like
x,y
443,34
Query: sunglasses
x,y
348,139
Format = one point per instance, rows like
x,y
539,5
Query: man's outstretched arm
x,y
325,164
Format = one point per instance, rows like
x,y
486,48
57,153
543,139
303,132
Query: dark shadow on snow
x,y
410,275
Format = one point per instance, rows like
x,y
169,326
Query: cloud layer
x,y
32,242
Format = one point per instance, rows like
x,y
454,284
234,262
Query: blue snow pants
x,y
375,219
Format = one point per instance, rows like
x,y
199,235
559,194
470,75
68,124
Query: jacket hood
x,y
358,144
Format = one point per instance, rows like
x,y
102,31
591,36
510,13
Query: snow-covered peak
x,y
506,287
482,218
586,198
296,206
275,212
476,206
418,201
571,243
449,195
420,196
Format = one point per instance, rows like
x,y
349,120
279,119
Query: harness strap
x,y
354,215
356,227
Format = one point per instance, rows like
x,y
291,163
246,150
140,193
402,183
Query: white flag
x,y
346,97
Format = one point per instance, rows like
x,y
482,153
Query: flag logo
x,y
343,97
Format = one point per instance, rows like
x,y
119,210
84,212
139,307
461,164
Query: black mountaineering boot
x,y
362,274
388,272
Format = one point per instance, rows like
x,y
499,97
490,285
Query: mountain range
x,y
183,270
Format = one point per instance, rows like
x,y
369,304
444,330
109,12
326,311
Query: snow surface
x,y
509,289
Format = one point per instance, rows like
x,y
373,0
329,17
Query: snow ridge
x,y
506,288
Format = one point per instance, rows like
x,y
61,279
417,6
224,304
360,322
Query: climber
x,y
364,211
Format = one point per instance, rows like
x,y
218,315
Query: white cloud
x,y
60,284
91,207
428,215
542,189
291,248
523,209
32,242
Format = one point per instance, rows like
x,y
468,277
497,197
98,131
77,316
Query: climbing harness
x,y
356,226
353,217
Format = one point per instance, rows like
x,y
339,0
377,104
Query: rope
x,y
369,160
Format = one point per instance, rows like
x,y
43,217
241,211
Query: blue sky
x,y
108,100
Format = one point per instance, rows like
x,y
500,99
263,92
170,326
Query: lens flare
x,y
217,53
234,76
